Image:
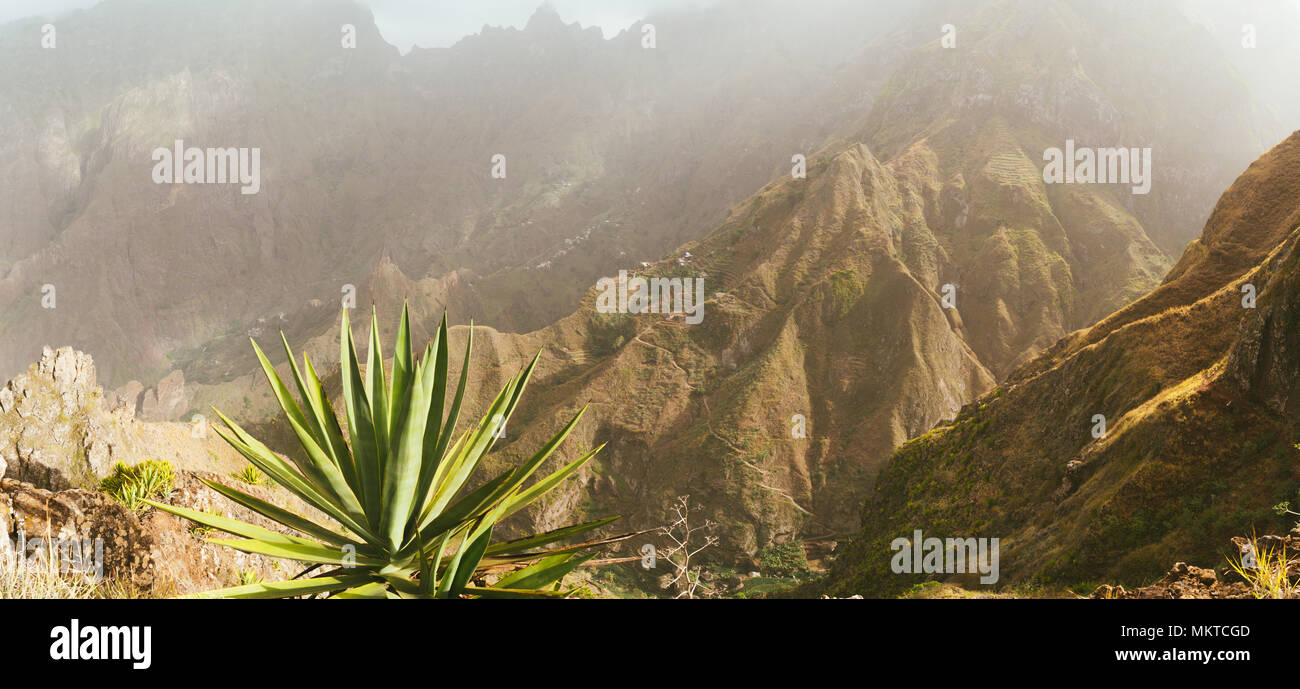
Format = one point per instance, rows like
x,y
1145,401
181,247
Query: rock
x,y
185,563
155,553
1107,591
166,401
1182,581
38,516
128,396
54,431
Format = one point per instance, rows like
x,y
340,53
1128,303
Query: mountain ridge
x,y
1196,388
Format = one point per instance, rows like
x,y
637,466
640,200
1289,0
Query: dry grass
x,y
23,578
1268,577
33,577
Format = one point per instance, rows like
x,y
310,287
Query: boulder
x,y
39,518
166,401
1182,581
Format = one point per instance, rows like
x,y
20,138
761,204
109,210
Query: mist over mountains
x,y
919,263
625,151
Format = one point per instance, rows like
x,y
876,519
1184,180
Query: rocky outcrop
x,y
1188,581
33,520
59,430
166,401
1183,581
59,435
55,430
1265,360
150,554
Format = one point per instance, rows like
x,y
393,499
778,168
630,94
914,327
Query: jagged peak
x,y
545,17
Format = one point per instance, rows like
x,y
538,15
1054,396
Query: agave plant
x,y
407,523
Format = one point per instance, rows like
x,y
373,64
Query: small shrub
x,y
1267,575
250,475
132,485
783,560
203,530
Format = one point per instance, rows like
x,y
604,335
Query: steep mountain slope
x,y
824,295
1102,74
1199,392
825,298
614,152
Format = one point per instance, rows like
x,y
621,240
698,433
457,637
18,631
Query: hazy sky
x,y
433,23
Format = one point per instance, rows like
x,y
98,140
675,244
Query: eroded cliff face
x,y
612,153
1196,382
825,344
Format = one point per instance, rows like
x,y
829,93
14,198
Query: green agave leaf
x,y
434,389
279,471
319,469
426,572
329,423
403,373
361,426
494,592
377,390
402,472
372,589
542,539
427,513
286,589
480,439
526,374
438,382
525,470
467,509
523,499
228,525
544,573
280,515
491,562
466,565
302,552
312,419
453,565
453,416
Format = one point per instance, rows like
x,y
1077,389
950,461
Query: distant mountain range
x,y
920,264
